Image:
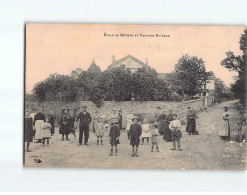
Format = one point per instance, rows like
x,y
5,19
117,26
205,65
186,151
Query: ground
x,y
203,151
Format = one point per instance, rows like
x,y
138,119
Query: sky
x,y
61,48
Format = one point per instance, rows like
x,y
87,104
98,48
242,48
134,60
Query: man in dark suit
x,y
85,119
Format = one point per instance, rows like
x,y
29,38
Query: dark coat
x,y
167,132
85,119
71,122
52,123
28,130
114,133
191,122
135,132
64,128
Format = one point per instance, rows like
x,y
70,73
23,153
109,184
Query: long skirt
x,y
38,129
167,133
191,125
225,129
162,124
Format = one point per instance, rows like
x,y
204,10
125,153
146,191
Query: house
x,y
129,62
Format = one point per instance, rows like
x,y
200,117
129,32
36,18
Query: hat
x,y
84,106
114,121
135,117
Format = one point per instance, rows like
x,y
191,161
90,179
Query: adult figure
x,y
162,123
28,130
85,120
167,131
39,120
191,122
130,116
52,122
120,119
64,124
225,125
32,115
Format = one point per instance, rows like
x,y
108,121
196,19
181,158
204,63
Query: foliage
x,y
192,74
238,64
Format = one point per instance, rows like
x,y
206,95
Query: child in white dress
x,y
46,131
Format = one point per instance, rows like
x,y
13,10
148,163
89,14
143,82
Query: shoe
x,y
180,149
157,150
62,139
111,153
151,150
86,144
79,144
173,149
28,150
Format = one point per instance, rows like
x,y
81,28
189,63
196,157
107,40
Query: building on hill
x,y
129,62
94,67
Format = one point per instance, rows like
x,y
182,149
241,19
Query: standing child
x,y
237,131
135,133
145,132
114,136
99,129
154,138
175,127
46,132
71,123
28,130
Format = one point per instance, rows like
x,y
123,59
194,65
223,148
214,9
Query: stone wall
x,y
180,108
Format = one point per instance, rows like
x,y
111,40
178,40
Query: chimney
x,y
113,59
146,61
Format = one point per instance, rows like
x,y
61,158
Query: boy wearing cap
x,y
135,133
175,127
114,136
85,120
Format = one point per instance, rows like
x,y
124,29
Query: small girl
x,y
114,135
145,132
237,132
154,138
99,129
46,132
175,126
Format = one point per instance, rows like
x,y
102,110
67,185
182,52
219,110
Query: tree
x,y
192,74
238,64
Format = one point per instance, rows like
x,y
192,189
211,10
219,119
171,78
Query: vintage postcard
x,y
109,96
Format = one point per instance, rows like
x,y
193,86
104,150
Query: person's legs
x,y
67,137
133,151
101,139
47,141
147,140
116,151
62,137
157,147
173,142
80,135
43,141
152,147
142,140
136,153
28,143
86,134
111,152
97,140
178,143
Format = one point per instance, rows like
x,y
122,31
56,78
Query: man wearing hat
x,y
85,119
135,133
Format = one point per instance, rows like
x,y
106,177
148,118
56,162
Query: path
x,y
203,151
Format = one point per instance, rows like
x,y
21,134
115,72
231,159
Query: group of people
x,y
42,128
240,128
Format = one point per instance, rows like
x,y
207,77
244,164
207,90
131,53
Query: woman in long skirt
x,y
162,123
167,132
225,125
39,120
191,122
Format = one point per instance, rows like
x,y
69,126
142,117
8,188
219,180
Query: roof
x,y
125,58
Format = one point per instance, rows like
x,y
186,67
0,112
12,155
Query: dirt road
x,y
203,151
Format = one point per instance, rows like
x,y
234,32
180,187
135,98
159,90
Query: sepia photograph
x,y
117,96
